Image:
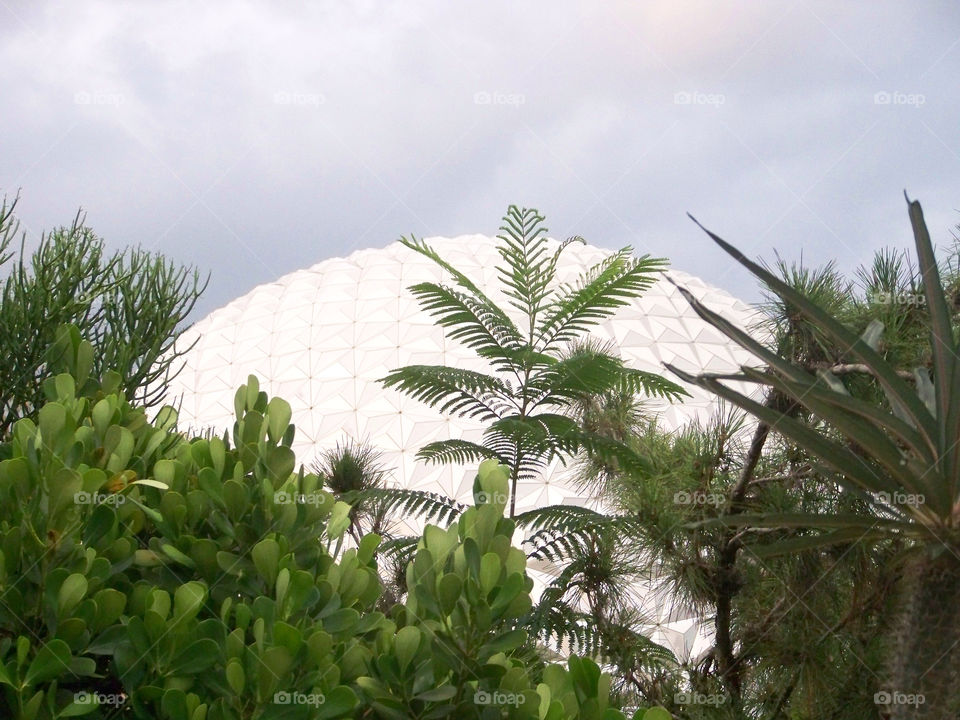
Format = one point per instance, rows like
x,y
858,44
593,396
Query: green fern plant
x,y
537,373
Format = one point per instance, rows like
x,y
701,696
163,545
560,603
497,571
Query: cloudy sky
x,y
254,138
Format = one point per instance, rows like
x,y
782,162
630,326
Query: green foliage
x,y
896,453
880,447
178,578
354,474
542,371
152,575
130,304
458,651
539,369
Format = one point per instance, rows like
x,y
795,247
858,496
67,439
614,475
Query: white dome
x,y
322,337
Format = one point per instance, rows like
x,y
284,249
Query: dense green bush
x,y
131,303
150,575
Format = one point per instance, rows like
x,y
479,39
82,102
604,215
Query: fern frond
x,y
464,392
457,451
557,517
556,546
559,623
610,284
399,546
526,275
476,322
502,320
573,378
574,532
433,507
639,382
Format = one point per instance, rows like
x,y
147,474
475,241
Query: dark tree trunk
x,y
925,662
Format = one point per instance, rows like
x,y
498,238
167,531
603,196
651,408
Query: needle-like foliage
x,y
131,304
898,454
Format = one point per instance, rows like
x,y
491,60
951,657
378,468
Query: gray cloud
x,y
255,138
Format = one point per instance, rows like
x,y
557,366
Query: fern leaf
x,y
639,382
475,322
581,375
609,285
433,507
457,451
464,392
526,275
502,321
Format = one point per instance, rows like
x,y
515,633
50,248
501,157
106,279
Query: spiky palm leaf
x,y
903,454
908,450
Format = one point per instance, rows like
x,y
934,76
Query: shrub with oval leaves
x,y
150,575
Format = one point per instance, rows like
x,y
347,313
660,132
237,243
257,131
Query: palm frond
x,y
528,271
351,466
852,471
900,394
609,285
503,322
640,382
946,349
433,507
474,321
458,451
465,392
